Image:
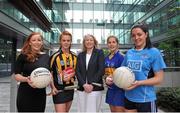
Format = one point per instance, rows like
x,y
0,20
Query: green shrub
x,y
168,99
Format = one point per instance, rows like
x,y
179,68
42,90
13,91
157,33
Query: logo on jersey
x,y
62,63
109,64
135,65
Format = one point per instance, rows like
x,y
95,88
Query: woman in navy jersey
x,y
115,95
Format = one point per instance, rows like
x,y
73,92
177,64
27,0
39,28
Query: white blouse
x,y
88,56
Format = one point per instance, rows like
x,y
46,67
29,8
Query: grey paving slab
x,y
5,85
4,97
50,106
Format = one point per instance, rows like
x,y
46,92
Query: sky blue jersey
x,y
141,62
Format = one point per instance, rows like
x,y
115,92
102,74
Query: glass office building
x,y
101,18
98,17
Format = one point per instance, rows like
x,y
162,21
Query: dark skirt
x,y
63,97
30,99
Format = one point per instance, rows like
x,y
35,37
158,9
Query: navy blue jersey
x,y
112,63
115,95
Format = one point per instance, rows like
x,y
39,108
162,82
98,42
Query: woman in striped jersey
x,y
62,65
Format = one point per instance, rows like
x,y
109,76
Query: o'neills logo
x,y
41,73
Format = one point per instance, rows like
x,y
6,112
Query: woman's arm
x,y
54,91
101,67
156,80
79,70
20,78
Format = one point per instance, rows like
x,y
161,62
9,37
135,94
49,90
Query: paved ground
x,y
5,98
4,94
5,88
50,107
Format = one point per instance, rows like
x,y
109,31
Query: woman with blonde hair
x,y
63,63
90,70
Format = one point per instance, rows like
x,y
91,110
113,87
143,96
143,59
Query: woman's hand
x,y
157,79
134,85
109,80
54,91
67,77
28,80
88,88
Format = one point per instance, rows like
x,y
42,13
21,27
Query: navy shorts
x,y
141,107
115,97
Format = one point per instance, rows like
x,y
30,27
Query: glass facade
x,y
5,56
113,17
167,20
18,16
102,18
105,17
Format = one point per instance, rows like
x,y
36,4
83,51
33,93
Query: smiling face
x,y
89,42
139,37
36,43
65,42
112,44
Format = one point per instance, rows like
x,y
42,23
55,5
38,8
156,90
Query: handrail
x,y
172,69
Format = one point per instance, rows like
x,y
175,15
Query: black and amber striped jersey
x,y
58,63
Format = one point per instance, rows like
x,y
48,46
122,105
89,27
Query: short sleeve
x,y
124,61
158,62
19,64
120,59
52,63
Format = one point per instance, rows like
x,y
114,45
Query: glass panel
x,y
5,56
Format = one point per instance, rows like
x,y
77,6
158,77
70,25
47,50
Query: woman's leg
x,y
131,111
64,107
117,108
60,107
68,106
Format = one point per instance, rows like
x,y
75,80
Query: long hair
x,y
95,41
112,36
65,33
145,29
26,49
116,39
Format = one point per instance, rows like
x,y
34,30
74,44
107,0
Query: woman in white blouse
x,y
90,70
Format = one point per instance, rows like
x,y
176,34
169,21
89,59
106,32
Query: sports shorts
x,y
141,107
63,97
